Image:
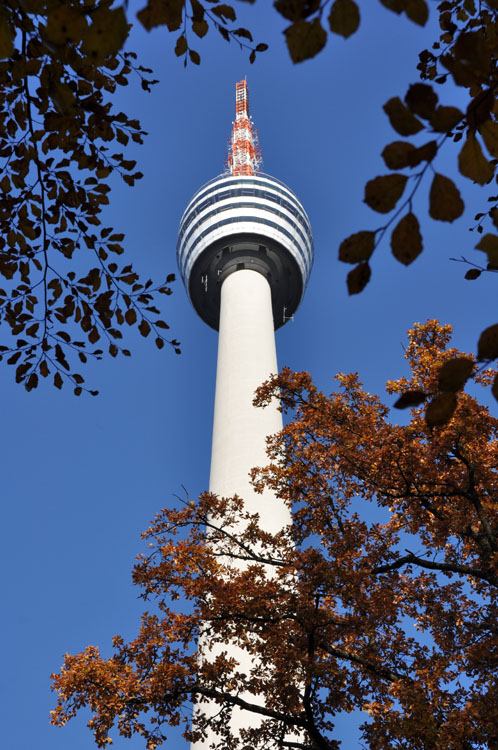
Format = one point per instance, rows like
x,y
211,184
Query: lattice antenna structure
x,y
244,153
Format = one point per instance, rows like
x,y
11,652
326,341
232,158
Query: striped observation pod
x,y
245,221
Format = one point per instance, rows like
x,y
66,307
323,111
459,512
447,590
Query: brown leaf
x,y
58,380
441,409
406,240
357,247
472,273
410,398
417,11
225,12
487,347
489,133
181,46
295,10
344,17
445,203
130,316
200,28
144,328
65,24
161,13
106,35
444,119
489,245
401,154
494,387
397,154
382,193
400,117
421,99
454,373
473,164
6,38
358,278
305,39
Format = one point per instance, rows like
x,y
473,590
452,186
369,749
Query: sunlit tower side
x,y
245,252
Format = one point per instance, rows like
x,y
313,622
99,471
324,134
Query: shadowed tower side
x,y
245,252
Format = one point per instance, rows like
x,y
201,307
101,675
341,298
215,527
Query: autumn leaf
x,y
454,373
382,193
6,38
487,347
106,34
489,244
444,118
400,117
417,11
65,24
344,17
421,99
161,13
472,163
445,203
489,133
494,387
472,274
358,247
305,39
410,399
401,154
406,240
441,409
358,278
181,46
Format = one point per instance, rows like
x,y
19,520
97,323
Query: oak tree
x,y
381,597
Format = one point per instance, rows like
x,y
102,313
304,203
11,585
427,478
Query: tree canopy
x,y
381,596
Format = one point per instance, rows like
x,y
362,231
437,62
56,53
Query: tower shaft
x,y
246,357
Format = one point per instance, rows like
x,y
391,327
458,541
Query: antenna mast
x,y
244,153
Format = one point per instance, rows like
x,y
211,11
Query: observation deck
x,y
239,221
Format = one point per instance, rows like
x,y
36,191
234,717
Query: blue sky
x,y
83,477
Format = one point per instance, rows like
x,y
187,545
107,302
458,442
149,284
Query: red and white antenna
x,y
244,153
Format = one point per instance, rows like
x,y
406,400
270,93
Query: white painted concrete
x,y
246,357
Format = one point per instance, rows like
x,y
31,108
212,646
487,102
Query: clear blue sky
x,y
83,477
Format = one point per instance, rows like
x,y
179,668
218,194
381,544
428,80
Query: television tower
x,y
245,252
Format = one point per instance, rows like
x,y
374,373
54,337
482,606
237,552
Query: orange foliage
x,y
381,597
